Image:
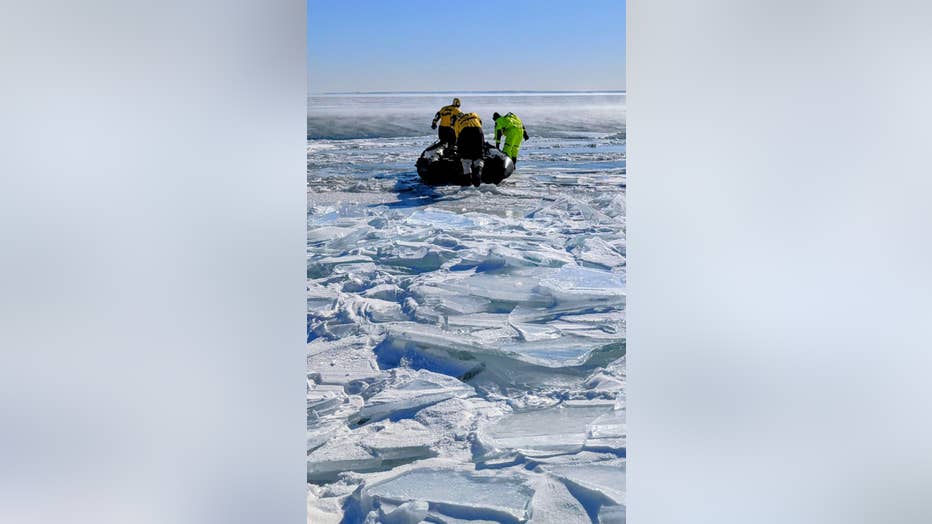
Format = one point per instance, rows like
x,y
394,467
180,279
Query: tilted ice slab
x,y
336,456
489,358
328,402
411,512
406,390
610,378
514,251
540,286
553,504
375,447
556,430
602,483
519,287
495,496
538,324
341,361
612,514
328,408
573,284
439,219
572,349
320,432
609,431
457,418
565,351
402,440
596,251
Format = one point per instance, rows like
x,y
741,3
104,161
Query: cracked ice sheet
x,y
603,482
472,495
341,361
403,390
516,290
375,447
561,429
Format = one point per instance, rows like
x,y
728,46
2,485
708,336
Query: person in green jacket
x,y
511,127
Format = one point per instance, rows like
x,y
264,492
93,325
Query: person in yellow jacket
x,y
469,143
513,130
445,117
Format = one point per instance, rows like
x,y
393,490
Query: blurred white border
x,y
152,207
152,214
779,237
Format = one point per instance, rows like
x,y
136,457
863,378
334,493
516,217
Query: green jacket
x,y
510,126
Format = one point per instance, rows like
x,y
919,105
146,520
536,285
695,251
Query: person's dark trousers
x,y
469,146
446,135
469,143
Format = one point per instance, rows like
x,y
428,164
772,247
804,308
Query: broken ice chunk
x,y
559,352
342,361
612,514
609,425
375,447
439,219
553,504
520,286
418,261
453,418
323,510
601,483
608,432
477,320
320,432
407,513
404,440
405,390
434,343
327,233
389,292
598,252
497,497
449,301
330,402
576,284
323,400
336,456
548,431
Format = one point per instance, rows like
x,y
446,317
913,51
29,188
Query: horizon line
x,y
408,92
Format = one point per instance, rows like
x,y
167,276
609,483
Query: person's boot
x,y
476,173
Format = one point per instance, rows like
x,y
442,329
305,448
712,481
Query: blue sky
x,y
476,45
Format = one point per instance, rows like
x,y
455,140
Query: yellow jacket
x,y
445,115
465,120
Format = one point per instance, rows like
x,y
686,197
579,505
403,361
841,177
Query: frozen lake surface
x,y
466,346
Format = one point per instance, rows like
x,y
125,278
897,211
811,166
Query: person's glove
x,y
433,126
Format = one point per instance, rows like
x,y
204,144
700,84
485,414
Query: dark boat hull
x,y
438,167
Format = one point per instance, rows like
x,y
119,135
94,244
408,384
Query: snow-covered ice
x,y
560,429
465,494
404,390
466,346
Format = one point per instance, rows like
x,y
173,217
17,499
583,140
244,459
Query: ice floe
x,y
403,390
560,429
466,347
459,494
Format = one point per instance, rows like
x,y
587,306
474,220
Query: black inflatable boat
x,y
440,166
